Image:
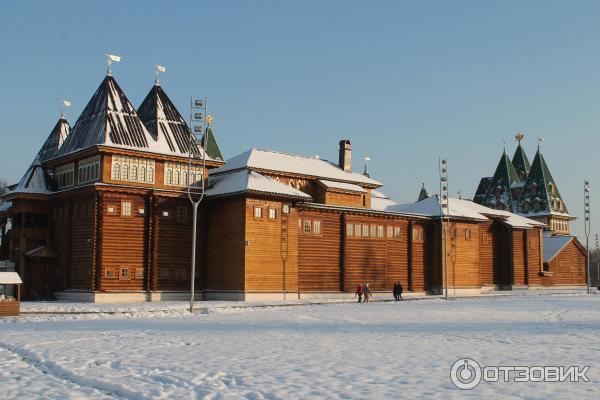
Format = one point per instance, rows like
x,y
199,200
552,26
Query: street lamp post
x,y
597,262
199,123
587,226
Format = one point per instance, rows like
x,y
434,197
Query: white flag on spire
x,y
112,57
540,139
66,103
161,68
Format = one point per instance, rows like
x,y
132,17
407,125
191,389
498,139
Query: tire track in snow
x,y
53,369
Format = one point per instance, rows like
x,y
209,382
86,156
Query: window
x,y
286,208
65,175
390,231
317,227
417,234
134,173
380,231
468,234
357,230
125,174
365,229
139,273
452,233
181,174
143,174
349,230
124,274
257,212
373,231
396,232
116,172
110,210
272,213
150,176
165,214
109,273
181,215
126,209
306,227
291,183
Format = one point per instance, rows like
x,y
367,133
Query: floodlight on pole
x,y
444,209
587,226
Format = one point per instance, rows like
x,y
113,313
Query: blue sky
x,y
405,81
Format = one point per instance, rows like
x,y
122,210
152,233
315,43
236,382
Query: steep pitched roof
x,y
246,181
212,148
55,140
35,180
540,195
521,163
423,193
482,189
164,122
499,193
380,202
267,160
109,119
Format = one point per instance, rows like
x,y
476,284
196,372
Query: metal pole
x,y
194,223
586,204
597,262
444,203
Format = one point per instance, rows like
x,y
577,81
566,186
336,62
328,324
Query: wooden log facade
x,y
116,220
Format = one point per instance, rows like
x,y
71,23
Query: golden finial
x,y
519,136
209,119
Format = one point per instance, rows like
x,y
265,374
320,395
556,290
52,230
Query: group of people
x,y
364,293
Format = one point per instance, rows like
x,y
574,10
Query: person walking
x,y
359,292
367,292
396,291
400,288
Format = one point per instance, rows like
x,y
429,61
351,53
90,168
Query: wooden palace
x,y
102,214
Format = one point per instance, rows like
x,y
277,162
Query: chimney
x,y
345,153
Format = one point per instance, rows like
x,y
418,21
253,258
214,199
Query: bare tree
x,y
3,188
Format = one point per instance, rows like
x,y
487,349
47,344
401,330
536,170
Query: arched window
x,y
117,171
134,175
125,174
291,183
143,174
150,174
96,171
176,180
192,178
169,177
184,178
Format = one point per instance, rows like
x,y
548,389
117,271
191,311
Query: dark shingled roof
x,y
521,163
499,194
212,148
55,140
163,120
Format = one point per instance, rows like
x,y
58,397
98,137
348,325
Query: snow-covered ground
x,y
339,350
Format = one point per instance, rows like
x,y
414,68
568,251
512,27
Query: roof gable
x,y
212,148
521,163
164,122
108,119
499,194
246,181
55,140
35,180
267,160
540,193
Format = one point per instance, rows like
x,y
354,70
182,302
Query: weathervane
x,y
209,120
109,60
159,69
65,104
519,136
540,140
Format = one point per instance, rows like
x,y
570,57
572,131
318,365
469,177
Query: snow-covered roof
x,y
554,244
9,278
380,201
165,123
109,119
268,160
342,186
5,206
245,181
466,209
35,180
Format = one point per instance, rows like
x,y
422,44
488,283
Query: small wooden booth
x,y
10,294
